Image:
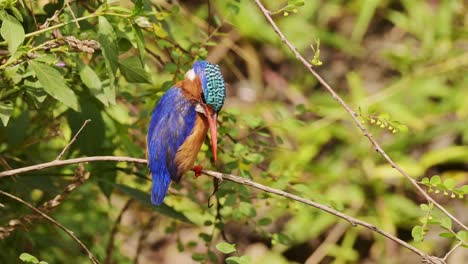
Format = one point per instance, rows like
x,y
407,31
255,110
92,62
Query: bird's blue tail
x,y
161,181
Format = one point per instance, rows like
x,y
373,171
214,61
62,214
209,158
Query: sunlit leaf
x,y
12,31
54,84
226,248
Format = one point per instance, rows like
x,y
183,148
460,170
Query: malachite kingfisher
x,y
179,125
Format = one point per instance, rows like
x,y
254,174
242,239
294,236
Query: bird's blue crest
x,y
214,89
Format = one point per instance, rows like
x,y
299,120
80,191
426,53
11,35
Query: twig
x,y
352,220
73,139
57,163
71,12
353,114
331,238
80,177
69,232
110,243
243,181
143,236
452,250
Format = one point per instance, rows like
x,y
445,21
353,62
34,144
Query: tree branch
x,y
69,232
80,177
73,139
243,181
56,163
353,114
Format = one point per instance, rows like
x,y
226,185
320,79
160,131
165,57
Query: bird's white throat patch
x,y
190,74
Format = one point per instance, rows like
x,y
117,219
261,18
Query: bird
x,y
179,124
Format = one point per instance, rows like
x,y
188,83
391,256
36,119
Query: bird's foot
x,y
198,170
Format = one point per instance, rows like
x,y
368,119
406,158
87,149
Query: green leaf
x,y
425,181
446,222
435,180
226,248
108,41
280,238
450,183
447,235
463,236
145,199
28,258
417,233
13,33
54,84
133,71
264,221
296,2
198,256
424,207
140,41
238,260
90,78
6,110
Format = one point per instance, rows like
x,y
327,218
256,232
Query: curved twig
x,y
240,180
56,163
69,232
353,114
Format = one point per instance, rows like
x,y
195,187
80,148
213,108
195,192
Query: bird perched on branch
x,y
179,125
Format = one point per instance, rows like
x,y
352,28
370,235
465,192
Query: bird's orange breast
x,y
187,153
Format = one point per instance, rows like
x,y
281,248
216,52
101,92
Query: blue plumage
x,y
171,123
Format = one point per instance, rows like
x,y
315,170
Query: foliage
x,y
111,63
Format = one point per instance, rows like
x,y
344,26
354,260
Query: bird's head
x,y
213,94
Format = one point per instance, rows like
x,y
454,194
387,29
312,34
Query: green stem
x,y
35,33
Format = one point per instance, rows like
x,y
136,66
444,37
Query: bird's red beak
x,y
213,124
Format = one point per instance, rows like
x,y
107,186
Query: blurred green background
x,y
402,64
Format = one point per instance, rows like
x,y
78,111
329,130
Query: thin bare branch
x,y
67,3
353,115
115,227
352,220
243,181
73,139
69,232
80,177
57,163
452,250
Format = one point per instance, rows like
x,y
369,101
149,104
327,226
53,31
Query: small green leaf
x,y
108,41
446,222
133,71
140,41
280,238
435,180
90,78
425,181
463,236
264,221
13,33
424,207
226,248
417,233
450,183
447,235
28,258
54,84
239,260
198,256
6,110
296,2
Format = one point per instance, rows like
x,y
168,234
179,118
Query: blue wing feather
x,y
171,123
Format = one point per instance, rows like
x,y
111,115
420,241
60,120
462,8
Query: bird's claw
x,y
198,170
